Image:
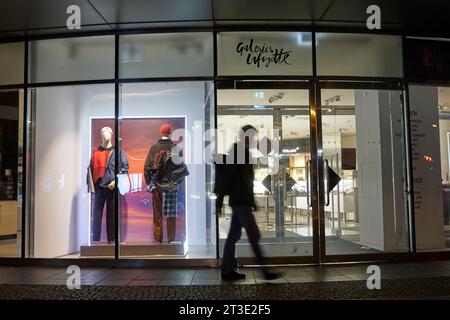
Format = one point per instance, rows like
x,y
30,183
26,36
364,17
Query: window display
x,y
165,202
141,138
168,209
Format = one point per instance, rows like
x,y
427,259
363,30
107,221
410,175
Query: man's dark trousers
x,y
103,196
242,217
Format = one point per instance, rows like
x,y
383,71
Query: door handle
x,y
308,180
327,175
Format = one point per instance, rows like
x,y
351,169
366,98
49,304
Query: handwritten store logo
x,y
262,55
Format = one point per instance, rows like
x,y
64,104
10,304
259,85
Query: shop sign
x,y
264,53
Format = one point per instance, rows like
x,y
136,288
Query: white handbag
x,y
123,183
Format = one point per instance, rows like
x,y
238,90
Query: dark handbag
x,y
176,173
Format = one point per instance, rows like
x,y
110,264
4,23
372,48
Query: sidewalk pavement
x,y
398,280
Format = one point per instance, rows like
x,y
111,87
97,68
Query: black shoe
x,y
233,276
268,275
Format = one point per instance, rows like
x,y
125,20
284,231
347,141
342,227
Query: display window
x,y
165,212
76,181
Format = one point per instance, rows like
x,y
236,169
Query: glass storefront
x,y
333,165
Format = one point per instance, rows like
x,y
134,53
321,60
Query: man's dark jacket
x,y
162,144
235,179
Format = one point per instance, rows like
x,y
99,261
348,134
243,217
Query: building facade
x,y
353,155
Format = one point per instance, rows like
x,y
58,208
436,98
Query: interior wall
x,y
368,155
61,157
444,129
381,210
428,211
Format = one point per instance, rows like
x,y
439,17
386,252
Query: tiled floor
x,y
174,277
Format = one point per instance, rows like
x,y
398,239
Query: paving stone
x,y
391,289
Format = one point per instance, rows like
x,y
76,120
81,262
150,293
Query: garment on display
x,y
102,184
141,212
162,176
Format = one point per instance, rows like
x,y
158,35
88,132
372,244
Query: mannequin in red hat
x,y
163,191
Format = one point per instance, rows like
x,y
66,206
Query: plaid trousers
x,y
169,204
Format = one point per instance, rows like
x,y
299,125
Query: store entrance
x,y
334,181
280,111
364,209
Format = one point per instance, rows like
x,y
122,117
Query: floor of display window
x,y
133,250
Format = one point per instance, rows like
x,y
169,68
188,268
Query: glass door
x,y
282,186
364,208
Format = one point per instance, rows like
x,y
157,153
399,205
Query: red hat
x,y
165,129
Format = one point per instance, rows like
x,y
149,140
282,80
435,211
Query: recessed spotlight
x,y
259,95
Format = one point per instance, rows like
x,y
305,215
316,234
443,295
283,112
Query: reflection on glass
x,y
166,55
359,55
72,59
12,59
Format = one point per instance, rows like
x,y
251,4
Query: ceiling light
x,y
259,95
